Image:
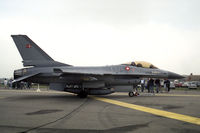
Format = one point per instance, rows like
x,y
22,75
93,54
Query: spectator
x,y
157,82
151,85
142,85
148,86
10,84
28,85
5,83
167,85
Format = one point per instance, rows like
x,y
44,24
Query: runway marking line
x,y
178,95
171,115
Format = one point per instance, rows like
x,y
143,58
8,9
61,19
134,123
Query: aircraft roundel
x,y
28,46
127,68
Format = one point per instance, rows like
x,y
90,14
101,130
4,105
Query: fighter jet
x,y
101,80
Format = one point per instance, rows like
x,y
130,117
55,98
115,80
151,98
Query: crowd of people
x,y
8,84
149,85
154,83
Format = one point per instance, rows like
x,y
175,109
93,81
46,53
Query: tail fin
x,y
32,54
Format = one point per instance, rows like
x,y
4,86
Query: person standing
x,y
5,83
142,85
148,86
151,85
10,83
167,85
157,82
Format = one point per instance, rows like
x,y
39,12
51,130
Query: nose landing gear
x,y
83,94
134,92
131,94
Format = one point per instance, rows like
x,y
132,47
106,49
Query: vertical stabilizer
x,y
31,53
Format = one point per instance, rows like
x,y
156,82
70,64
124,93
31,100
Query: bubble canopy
x,y
143,64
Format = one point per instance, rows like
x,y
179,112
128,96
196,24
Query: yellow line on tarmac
x,y
178,95
180,117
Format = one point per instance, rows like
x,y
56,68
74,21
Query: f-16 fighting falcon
x,y
101,80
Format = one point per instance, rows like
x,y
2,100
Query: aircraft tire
x,y
131,94
82,94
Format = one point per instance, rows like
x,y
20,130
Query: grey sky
x,y
104,32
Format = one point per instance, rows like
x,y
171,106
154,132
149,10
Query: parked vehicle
x,y
172,86
178,84
185,84
197,83
192,85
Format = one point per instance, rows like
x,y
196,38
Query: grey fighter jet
x,y
101,80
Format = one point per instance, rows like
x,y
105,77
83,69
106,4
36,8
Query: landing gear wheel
x,y
136,94
82,94
131,94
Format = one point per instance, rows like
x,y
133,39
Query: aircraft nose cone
x,y
172,75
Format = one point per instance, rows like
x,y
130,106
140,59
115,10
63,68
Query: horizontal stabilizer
x,y
24,77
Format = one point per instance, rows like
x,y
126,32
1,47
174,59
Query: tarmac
x,y
31,111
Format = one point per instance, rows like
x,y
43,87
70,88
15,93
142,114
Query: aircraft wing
x,y
103,72
82,71
24,77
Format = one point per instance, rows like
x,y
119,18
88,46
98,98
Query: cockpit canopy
x,y
141,64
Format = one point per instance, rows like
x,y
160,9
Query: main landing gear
x,y
82,94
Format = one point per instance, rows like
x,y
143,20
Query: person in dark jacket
x,y
151,85
157,82
167,84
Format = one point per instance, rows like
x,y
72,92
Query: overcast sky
x,y
104,32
